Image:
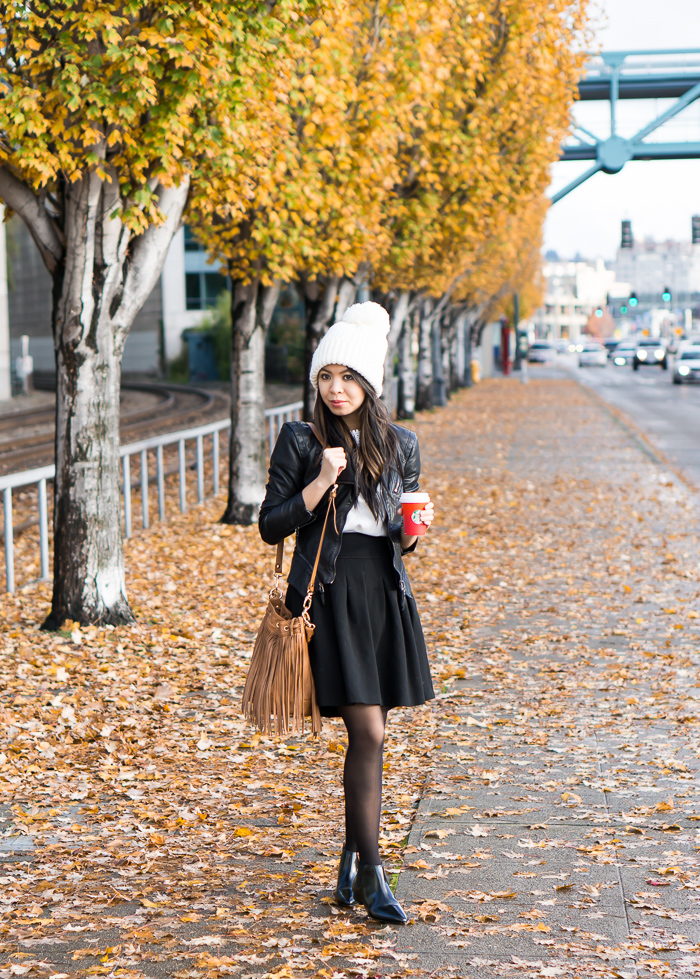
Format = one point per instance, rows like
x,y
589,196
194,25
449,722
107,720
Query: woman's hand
x,y
426,516
334,461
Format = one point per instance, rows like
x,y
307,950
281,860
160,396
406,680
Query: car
x,y
686,366
592,355
624,353
692,340
541,352
650,351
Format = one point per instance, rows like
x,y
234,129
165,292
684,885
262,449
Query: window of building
x,y
191,243
202,289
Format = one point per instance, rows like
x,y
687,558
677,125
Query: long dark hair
x,y
378,449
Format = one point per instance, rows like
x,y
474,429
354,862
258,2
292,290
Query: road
x,y
666,413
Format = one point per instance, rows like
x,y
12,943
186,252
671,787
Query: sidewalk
x,y
558,830
543,810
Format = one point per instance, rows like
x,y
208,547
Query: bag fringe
x,y
279,690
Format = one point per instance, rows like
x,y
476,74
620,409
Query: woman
x,y
368,654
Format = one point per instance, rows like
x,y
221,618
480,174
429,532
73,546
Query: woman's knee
x,y
366,727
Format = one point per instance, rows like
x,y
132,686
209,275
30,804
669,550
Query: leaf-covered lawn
x,y
149,832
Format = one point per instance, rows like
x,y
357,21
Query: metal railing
x,y
275,418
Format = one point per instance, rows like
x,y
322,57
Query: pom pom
x,y
368,314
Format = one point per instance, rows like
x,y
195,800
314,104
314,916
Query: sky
x,y
658,197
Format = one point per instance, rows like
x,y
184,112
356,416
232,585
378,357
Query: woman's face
x,y
340,391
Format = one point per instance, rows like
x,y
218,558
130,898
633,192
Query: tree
x,y
108,108
306,202
493,102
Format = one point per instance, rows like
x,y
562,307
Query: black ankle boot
x,y
347,871
371,888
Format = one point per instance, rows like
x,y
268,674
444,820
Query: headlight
x,y
620,361
579,347
659,354
684,370
641,355
572,348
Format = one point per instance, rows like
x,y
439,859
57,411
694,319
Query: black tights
x,y
362,779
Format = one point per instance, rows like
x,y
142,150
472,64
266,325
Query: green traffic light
x,y
633,300
623,310
666,296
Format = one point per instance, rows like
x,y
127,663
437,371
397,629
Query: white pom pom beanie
x,y
358,341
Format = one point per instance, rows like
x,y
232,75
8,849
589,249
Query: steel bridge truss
x,y
615,75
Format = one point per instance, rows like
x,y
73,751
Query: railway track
x,y
27,436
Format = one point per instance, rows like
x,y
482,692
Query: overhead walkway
x,y
642,75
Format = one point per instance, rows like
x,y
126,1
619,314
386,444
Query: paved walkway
x,y
558,831
543,811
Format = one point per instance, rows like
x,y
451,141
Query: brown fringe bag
x,y
279,689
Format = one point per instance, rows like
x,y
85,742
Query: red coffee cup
x,y
411,505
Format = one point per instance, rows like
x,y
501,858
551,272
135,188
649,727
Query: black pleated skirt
x,y
366,649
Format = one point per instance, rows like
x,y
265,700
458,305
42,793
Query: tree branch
x,y
23,201
148,253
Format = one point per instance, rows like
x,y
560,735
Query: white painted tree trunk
x,y
346,297
406,406
320,299
99,286
398,317
252,307
460,350
424,377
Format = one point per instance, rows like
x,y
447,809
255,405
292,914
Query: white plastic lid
x,y
414,498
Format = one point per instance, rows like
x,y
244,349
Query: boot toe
x,y
345,898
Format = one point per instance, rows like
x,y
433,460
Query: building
x,y
652,267
189,285
574,292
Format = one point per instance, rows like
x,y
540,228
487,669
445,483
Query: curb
x,y
637,436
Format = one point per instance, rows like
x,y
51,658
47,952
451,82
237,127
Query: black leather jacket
x,y
296,462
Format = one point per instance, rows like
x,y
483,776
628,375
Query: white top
x,y
361,520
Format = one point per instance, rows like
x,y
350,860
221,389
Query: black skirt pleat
x,y
366,649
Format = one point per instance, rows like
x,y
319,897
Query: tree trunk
x,y
88,573
406,391
439,381
468,379
398,317
100,282
459,350
346,297
424,378
252,306
320,295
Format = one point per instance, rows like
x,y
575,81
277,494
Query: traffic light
x,y
623,309
599,312
633,300
666,295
